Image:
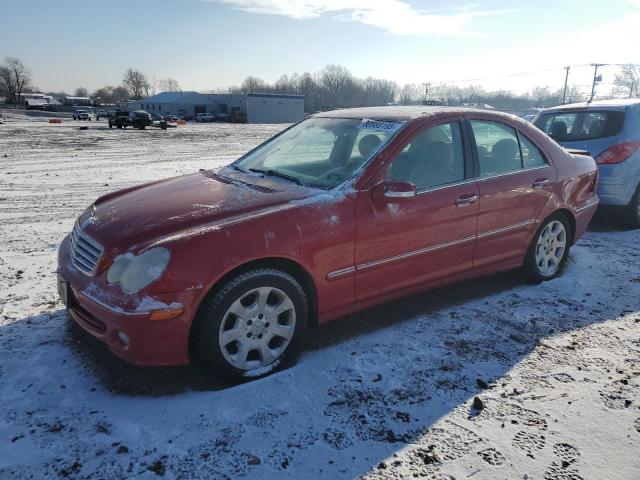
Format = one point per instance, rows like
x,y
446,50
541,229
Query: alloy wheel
x,y
257,328
550,248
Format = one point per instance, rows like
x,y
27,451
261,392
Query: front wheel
x,y
251,327
549,249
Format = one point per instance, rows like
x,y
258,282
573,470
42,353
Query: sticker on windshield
x,y
382,126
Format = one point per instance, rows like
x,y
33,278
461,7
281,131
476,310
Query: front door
x,y
429,236
514,184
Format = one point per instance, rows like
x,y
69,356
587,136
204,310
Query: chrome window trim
x,y
447,185
481,179
512,172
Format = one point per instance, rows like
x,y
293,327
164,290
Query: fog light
x,y
123,337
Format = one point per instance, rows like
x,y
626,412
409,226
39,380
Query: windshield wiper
x,y
277,173
235,167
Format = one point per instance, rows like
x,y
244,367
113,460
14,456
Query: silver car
x,y
610,131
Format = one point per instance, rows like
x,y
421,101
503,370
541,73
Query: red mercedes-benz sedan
x,y
342,211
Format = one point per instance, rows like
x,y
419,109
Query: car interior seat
x,y
558,129
504,156
366,147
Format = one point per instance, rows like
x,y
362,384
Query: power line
x,y
546,70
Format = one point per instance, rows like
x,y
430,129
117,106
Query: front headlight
x,y
134,272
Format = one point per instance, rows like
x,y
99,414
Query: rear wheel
x,y
549,249
251,327
632,215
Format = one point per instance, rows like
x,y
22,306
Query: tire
x,y
110,125
632,213
231,321
549,249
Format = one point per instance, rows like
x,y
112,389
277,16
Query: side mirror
x,y
393,192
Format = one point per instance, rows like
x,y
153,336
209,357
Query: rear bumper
x,y
150,342
583,215
618,183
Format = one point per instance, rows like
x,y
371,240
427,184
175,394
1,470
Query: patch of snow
x,y
147,304
387,393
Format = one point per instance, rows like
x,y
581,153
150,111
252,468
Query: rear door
x,y
430,236
515,182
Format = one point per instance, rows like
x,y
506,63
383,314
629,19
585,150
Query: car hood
x,y
148,212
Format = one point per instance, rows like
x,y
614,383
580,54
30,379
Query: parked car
x,y
156,117
610,131
138,119
204,118
342,211
171,118
81,115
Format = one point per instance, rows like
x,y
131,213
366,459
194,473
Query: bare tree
x,y
136,84
111,95
169,85
253,85
286,84
411,94
81,92
541,96
627,82
14,79
338,85
151,88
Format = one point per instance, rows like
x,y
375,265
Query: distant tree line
x,y
333,86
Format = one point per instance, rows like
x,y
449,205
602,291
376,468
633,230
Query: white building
x,y
181,104
250,108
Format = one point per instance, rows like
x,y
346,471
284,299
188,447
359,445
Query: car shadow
x,y
122,378
436,351
608,221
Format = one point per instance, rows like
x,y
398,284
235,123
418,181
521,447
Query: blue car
x,y
610,131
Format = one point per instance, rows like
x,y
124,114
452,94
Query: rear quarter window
x,y
581,125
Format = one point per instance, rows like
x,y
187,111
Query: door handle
x,y
466,199
540,182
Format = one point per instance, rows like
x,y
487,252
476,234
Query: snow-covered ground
x,y
387,393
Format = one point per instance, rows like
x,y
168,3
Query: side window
x,y
435,157
498,150
531,156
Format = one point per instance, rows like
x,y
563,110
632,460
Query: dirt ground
x,y
552,369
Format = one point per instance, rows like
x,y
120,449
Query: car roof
x,y
618,103
400,113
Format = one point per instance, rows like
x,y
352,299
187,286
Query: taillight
x,y
617,153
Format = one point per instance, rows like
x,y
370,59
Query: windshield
x,y
320,152
583,125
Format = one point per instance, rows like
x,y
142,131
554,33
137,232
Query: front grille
x,y
85,252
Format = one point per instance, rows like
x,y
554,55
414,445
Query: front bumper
x,y
103,315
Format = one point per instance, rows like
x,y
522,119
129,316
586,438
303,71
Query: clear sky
x,y
206,44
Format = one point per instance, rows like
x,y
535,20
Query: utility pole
x,y
566,78
595,79
426,92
